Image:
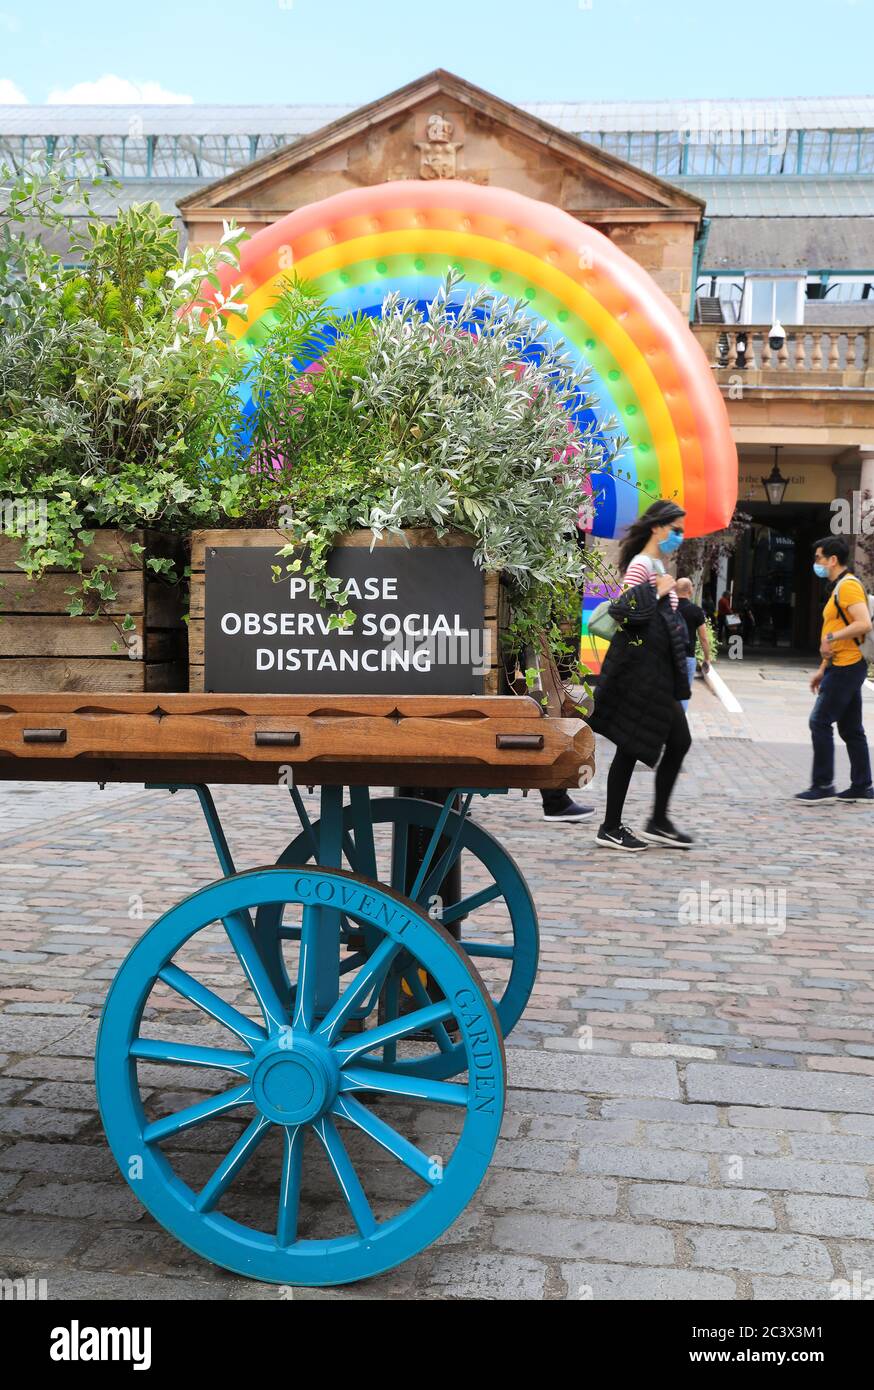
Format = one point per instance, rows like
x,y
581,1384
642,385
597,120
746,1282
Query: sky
x,y
352,51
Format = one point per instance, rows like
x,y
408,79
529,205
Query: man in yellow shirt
x,y
838,682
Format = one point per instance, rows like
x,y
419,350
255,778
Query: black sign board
x,y
419,627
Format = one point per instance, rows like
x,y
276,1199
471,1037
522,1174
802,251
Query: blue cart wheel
x,y
303,1089
515,960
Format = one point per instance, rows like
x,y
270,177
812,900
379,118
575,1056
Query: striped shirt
x,y
642,570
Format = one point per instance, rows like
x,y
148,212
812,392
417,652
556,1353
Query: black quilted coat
x,y
643,673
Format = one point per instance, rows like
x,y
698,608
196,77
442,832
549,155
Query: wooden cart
x,y
359,1019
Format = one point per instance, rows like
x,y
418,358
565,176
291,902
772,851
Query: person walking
x,y
643,680
696,628
838,682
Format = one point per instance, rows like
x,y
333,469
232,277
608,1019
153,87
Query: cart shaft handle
x,y
519,740
275,738
44,735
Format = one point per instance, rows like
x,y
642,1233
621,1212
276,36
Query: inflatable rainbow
x,y
647,369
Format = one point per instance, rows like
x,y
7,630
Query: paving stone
x,y
540,1156
749,1117
792,1290
546,1103
847,1148
577,1130
567,1194
681,1052
65,1095
149,1288
22,1121
614,1076
758,1057
107,1201
830,1216
858,1258
24,1239
625,1283
760,1253
659,1110
803,1175
712,1138
855,1124
528,1234
703,1206
746,1085
9,1089
454,1275
53,1068
69,1160
668,1164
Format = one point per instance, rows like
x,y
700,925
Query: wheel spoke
x,y
423,998
365,850
465,906
350,1186
415,1022
213,1004
305,989
487,948
391,1004
289,1190
157,1050
369,977
233,1163
447,858
239,930
388,1138
352,962
366,1078
196,1114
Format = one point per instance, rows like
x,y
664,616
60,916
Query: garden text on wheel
x,y
315,1174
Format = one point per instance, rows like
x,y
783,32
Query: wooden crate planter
x,y
42,648
496,608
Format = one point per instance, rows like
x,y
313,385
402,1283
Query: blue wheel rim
x,y
274,1084
401,813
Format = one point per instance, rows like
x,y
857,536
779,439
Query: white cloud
x,y
10,22
10,95
110,90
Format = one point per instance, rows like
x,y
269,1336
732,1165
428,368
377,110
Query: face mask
x,y
671,542
820,571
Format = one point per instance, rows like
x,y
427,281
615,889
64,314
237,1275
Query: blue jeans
x,y
840,702
691,664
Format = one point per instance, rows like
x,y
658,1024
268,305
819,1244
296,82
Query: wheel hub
x,y
295,1080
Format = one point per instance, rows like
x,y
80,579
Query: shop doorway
x,y
772,580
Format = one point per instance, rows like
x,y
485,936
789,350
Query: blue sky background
x,y
353,51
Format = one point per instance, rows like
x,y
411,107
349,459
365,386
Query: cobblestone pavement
x,y
691,1105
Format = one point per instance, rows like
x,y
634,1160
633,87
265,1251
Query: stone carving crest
x,y
437,153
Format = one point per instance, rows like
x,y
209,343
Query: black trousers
x,y
677,745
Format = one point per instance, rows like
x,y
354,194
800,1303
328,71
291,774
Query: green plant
x,y
453,417
115,405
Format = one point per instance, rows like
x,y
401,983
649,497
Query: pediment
x,y
442,127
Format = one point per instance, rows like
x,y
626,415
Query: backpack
x,y
866,643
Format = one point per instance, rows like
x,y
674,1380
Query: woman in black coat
x,y
643,679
